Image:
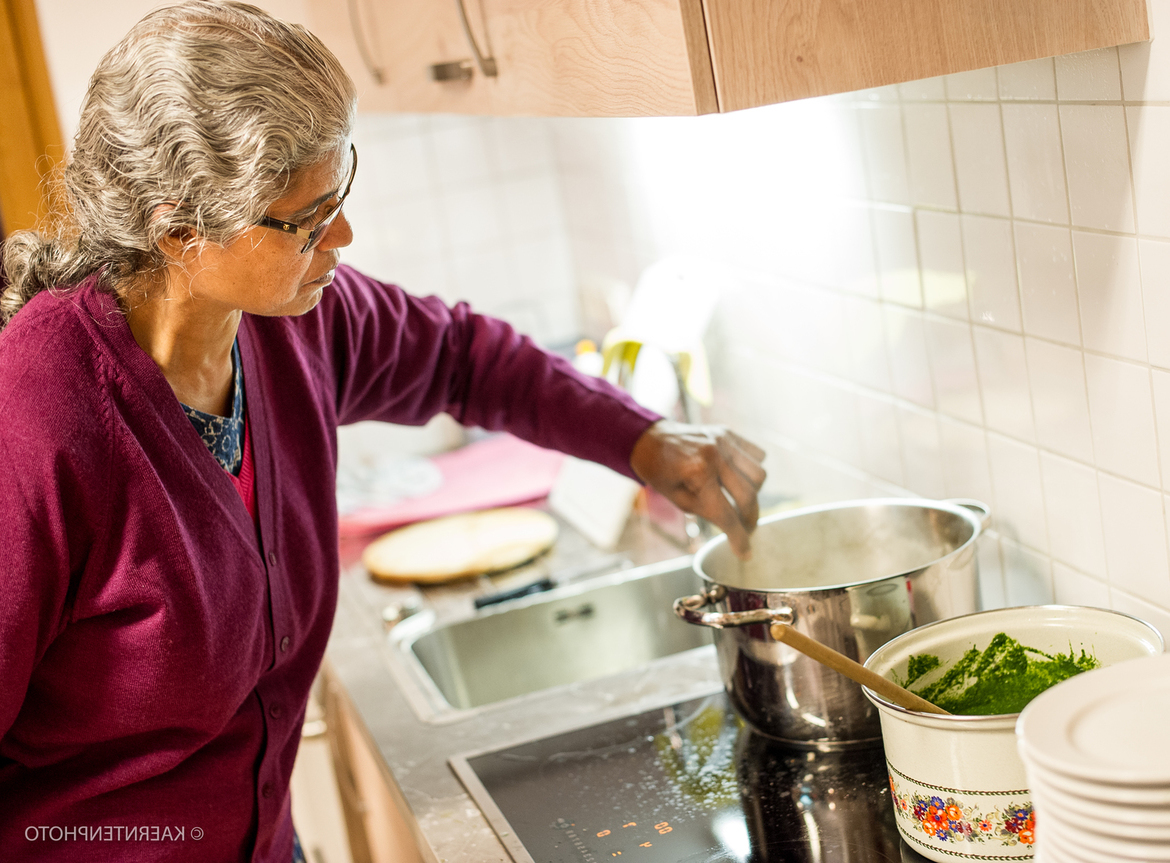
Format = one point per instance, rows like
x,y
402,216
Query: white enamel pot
x,y
957,782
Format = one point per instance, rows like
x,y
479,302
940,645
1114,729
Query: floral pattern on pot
x,y
945,816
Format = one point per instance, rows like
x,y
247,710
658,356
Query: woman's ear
x,y
175,243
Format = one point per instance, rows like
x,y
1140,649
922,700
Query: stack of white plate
x,y
1096,750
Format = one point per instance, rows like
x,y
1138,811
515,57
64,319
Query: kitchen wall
x,y
468,208
956,287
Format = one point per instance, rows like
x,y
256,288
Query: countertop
x,y
385,691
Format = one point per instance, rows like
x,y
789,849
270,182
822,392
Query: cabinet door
x,y
600,57
389,48
767,51
553,57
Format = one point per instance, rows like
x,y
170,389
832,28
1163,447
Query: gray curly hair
x,y
208,107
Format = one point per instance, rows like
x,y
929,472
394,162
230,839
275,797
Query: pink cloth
x,y
499,471
156,648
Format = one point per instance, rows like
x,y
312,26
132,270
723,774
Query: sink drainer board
x,y
561,637
687,783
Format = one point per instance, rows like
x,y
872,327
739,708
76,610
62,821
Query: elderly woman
x,y
178,353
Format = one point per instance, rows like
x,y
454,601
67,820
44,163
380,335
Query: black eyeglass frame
x,y
313,235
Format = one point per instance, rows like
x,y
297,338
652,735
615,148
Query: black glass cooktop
x,y
687,783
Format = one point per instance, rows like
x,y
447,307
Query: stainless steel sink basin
x,y
610,624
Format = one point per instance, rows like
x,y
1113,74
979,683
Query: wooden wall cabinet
x,y
678,57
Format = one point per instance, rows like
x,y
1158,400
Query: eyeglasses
x,y
323,218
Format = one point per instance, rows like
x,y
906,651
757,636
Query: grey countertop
x,y
415,741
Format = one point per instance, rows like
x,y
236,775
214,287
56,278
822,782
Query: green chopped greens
x,y
920,665
1002,678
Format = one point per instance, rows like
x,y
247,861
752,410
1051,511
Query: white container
x,y
957,782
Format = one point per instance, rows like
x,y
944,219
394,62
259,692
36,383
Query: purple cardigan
x,y
155,654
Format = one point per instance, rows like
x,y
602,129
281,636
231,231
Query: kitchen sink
x,y
608,625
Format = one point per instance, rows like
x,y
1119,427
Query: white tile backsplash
x,y
468,208
1076,588
1073,510
940,251
1160,382
462,151
1035,162
1060,402
1019,491
1033,79
1096,163
952,365
881,442
926,90
885,152
928,150
1048,290
1135,539
1149,130
966,471
922,456
1089,76
899,278
474,217
1154,260
521,145
992,593
989,252
1152,614
1145,66
1027,575
864,329
980,162
980,85
1121,409
908,355
1003,381
532,206
1110,291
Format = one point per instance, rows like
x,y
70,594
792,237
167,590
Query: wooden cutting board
x,y
460,546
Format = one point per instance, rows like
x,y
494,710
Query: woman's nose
x,y
338,235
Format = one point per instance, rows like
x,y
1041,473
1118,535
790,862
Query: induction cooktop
x,y
687,783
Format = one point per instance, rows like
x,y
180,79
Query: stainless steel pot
x,y
851,575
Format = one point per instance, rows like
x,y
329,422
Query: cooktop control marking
x,y
582,849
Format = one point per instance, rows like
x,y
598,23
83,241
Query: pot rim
x,y
955,507
937,720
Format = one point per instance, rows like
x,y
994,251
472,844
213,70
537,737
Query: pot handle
x,y
687,608
977,506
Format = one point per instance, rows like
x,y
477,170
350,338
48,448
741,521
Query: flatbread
x,y
460,546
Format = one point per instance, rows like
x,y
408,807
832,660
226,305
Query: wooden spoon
x,y
841,663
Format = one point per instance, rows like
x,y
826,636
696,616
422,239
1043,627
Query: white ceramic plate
x,y
1106,725
1055,848
1080,836
1118,815
1118,794
1050,808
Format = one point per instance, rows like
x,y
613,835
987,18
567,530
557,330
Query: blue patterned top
x,y
224,436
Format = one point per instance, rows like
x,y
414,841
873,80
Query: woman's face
x,y
263,271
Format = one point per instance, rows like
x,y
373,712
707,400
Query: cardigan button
x,y
272,558
266,790
284,642
276,711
